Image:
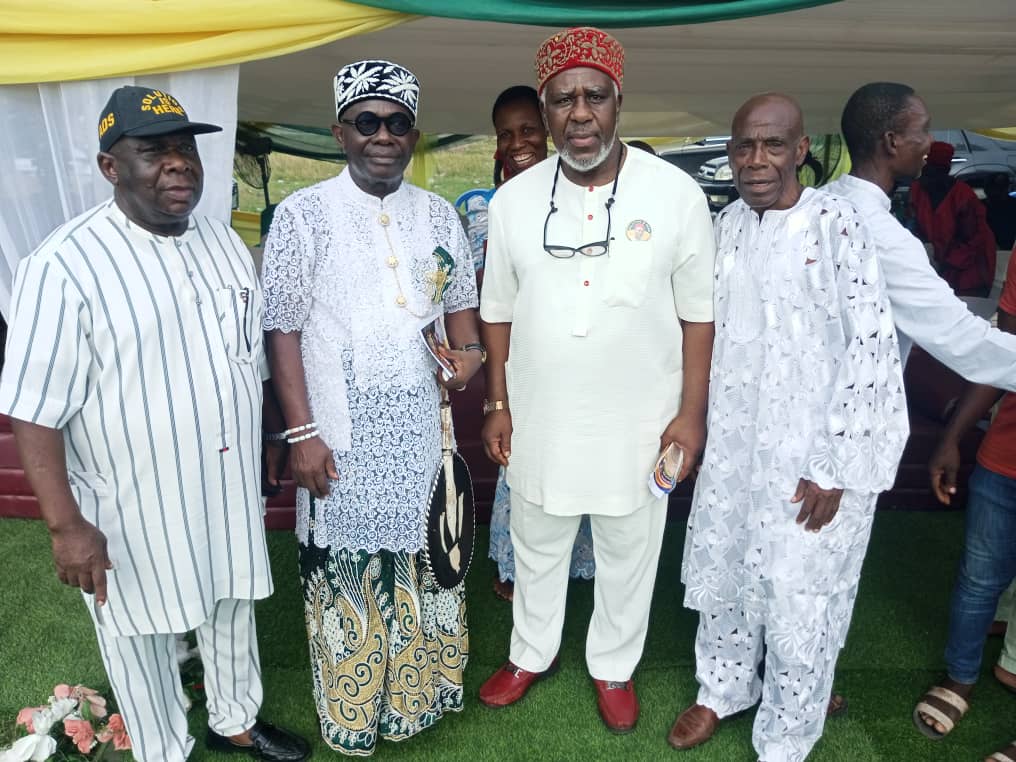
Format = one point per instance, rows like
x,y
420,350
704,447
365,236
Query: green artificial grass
x,y
893,654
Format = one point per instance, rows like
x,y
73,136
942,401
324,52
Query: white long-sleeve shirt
x,y
925,309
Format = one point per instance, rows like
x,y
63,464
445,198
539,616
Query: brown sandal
x,y
942,705
1008,754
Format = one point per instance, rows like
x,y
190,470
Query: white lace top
x,y
806,381
370,381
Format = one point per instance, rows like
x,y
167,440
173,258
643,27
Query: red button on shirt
x,y
585,283
589,216
590,188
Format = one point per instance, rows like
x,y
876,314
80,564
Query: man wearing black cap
x,y
134,383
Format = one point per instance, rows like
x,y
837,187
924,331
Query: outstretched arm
x,y
926,309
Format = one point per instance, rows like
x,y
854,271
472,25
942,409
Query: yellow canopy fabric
x,y
1003,133
62,40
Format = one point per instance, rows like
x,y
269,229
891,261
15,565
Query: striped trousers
x,y
145,678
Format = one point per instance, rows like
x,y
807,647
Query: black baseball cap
x,y
144,112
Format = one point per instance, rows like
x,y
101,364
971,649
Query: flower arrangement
x,y
74,725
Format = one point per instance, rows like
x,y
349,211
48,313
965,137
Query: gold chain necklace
x,y
393,264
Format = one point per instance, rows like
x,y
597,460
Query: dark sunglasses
x,y
368,123
594,249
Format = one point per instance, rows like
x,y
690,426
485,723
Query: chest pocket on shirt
x,y
236,309
629,266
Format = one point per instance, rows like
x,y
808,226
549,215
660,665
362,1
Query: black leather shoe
x,y
268,743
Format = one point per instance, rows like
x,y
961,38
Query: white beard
x,y
587,165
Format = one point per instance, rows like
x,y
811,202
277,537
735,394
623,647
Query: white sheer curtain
x,y
49,140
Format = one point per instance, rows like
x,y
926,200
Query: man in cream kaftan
x,y
806,384
598,326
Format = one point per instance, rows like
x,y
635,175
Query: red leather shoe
x,y
618,705
510,683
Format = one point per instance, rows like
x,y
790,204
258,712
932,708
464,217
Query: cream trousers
x,y
626,549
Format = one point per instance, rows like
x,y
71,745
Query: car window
x,y
980,142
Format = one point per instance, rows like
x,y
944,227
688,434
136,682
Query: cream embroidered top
x,y
595,364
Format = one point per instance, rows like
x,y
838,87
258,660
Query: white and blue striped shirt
x,y
146,352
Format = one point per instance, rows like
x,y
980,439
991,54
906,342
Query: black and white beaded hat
x,y
370,79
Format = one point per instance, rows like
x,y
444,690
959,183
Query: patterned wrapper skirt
x,y
388,646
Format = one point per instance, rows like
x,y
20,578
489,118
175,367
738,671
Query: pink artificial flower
x,y
121,740
62,691
25,717
96,703
81,732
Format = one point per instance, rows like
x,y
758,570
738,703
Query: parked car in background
x,y
691,156
977,157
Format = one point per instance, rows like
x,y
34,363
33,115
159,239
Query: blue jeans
x,y
987,568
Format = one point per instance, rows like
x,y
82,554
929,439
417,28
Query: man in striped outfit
x,y
134,381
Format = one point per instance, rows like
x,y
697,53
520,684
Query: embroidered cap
x,y
144,112
579,46
367,80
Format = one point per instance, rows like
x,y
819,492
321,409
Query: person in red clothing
x,y
989,558
952,219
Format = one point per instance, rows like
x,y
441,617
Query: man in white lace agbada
x,y
807,423
353,266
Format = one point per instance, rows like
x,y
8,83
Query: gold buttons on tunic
x,y
400,300
392,261
384,219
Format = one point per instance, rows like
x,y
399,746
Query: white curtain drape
x,y
49,141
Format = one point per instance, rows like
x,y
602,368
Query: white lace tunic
x,y
370,381
806,381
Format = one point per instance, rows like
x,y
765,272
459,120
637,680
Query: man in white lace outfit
x,y
807,423
353,266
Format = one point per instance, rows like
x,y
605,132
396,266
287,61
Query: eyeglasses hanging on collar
x,y
594,249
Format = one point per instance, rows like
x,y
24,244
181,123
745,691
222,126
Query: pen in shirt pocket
x,y
245,296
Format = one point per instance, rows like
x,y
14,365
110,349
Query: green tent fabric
x,y
606,13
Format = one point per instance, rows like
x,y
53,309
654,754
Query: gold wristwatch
x,y
490,407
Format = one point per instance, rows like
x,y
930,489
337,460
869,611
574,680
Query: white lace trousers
x,y
626,550
796,687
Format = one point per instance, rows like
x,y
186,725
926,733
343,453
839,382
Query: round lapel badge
x,y
638,230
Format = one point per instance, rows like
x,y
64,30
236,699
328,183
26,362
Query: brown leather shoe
x,y
510,683
1004,676
618,705
694,726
